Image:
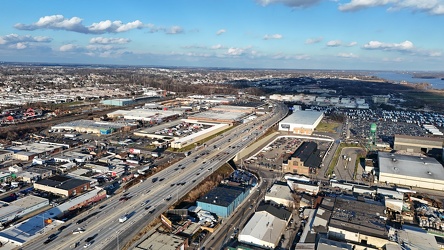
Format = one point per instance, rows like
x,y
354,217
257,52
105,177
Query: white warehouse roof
x,y
303,117
263,229
413,166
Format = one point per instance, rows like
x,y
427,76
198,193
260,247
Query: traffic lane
x,y
229,150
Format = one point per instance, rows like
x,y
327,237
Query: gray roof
x,y
326,244
222,195
357,216
303,117
419,167
161,241
280,213
281,191
62,182
262,227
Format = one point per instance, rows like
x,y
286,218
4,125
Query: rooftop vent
x,y
428,172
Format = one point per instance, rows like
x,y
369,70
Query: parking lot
x,y
389,123
276,152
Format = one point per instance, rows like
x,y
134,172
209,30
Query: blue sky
x,y
290,34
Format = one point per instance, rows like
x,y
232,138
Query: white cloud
x,y
220,32
314,40
18,46
235,51
396,59
14,38
334,43
59,22
351,44
69,48
289,3
403,46
285,56
105,40
347,55
274,36
432,7
217,46
174,30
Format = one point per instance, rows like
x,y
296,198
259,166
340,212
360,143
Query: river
x,y
437,83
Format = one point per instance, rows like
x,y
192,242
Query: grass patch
x,y
327,127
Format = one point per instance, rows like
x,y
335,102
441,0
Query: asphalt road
x,y
104,227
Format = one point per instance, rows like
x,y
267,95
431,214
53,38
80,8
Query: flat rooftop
x,y
419,167
219,115
281,191
161,241
28,201
222,195
358,216
62,182
303,117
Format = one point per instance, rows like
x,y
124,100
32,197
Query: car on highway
x,y
87,244
78,230
152,211
147,207
62,228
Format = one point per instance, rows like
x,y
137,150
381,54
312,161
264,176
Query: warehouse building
x,y
63,186
198,136
265,228
304,160
147,115
223,200
358,221
417,144
29,151
93,127
301,122
280,194
163,241
411,171
21,207
5,155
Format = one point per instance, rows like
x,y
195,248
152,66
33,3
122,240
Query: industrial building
x,y
223,200
358,221
411,171
31,228
417,144
29,151
163,241
93,127
280,194
21,207
223,114
131,101
265,228
301,122
147,115
5,155
183,142
63,186
303,160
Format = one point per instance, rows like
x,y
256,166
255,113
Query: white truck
x,y
123,219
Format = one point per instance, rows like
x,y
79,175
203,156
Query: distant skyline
x,y
286,34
